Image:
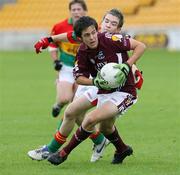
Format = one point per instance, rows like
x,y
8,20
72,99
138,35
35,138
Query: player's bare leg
x,y
65,94
77,108
107,111
81,134
122,150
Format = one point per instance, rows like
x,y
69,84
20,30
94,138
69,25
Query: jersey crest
x,y
117,37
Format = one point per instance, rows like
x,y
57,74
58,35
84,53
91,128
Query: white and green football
x,y
108,73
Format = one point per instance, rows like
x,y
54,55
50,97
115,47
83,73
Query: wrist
x,y
96,83
93,83
50,40
126,63
57,65
55,61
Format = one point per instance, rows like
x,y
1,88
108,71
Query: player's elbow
x,y
143,46
78,80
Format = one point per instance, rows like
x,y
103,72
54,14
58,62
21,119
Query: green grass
x,y
27,92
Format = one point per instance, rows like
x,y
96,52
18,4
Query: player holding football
x,y
112,22
97,50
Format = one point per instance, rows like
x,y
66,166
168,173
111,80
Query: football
x,y
108,73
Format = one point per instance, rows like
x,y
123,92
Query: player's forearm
x,y
84,81
137,53
60,37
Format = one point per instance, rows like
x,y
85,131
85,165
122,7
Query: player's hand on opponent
x,y
42,44
57,65
138,79
99,82
122,75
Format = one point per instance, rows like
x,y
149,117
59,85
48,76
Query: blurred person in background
x,y
64,62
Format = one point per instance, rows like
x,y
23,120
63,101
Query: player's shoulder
x,y
82,51
115,36
105,38
83,48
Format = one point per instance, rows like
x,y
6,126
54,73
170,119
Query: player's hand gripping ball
x,y
123,71
99,82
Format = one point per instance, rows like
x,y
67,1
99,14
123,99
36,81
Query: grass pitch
x,y
151,127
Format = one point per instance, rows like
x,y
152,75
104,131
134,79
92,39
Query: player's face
x,y
89,37
110,24
76,12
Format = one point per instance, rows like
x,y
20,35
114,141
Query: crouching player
x,y
97,50
112,22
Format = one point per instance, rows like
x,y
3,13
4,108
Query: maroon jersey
x,y
111,48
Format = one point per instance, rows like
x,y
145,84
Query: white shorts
x,y
122,100
90,93
66,74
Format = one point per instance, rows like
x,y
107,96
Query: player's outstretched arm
x,y
63,37
66,37
60,37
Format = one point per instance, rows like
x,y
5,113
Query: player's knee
x,y
68,114
71,112
65,100
90,121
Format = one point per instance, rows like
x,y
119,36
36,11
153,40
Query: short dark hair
x,y
81,2
83,23
118,14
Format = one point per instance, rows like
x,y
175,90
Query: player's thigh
x,y
81,115
106,111
65,90
65,83
78,106
122,100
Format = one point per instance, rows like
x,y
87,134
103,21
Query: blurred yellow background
x,y
45,13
